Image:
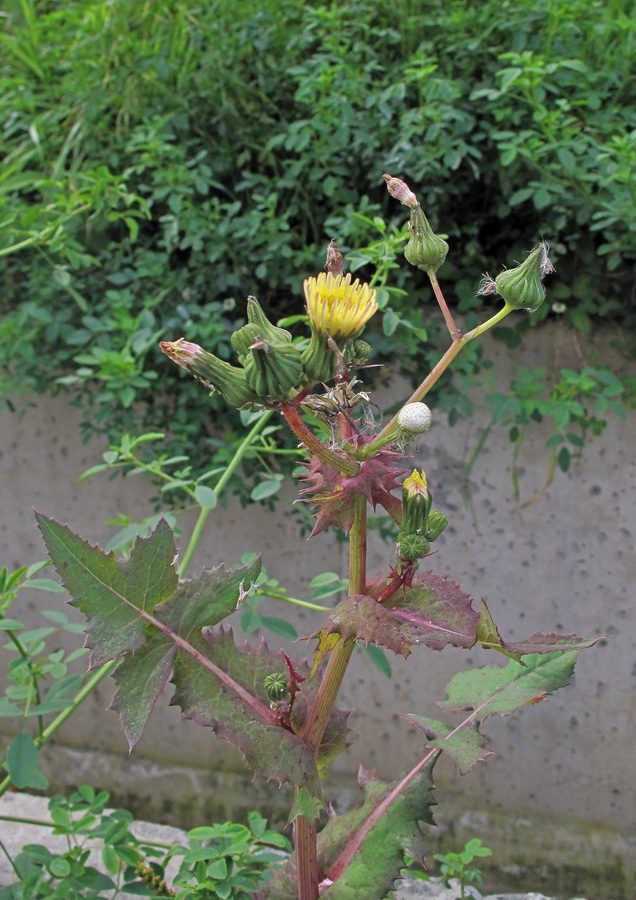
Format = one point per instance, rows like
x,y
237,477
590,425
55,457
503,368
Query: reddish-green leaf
x,y
362,851
112,593
434,612
137,610
489,637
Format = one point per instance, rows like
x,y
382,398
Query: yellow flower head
x,y
337,307
415,484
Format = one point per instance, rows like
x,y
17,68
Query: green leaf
x,y
466,747
390,321
489,637
363,851
59,867
265,489
305,805
205,496
281,627
109,592
494,690
378,658
136,609
22,763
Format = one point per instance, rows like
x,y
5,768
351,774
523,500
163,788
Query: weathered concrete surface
x,y
565,767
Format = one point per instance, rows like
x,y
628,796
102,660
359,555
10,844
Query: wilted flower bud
x,y
414,418
416,503
435,524
335,261
521,287
400,190
229,381
425,249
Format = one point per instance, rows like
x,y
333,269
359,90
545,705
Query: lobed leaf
x,y
494,690
362,851
433,611
137,610
465,746
490,638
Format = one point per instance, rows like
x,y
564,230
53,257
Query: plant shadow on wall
x,y
150,626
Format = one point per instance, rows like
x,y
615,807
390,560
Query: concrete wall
x,y
557,802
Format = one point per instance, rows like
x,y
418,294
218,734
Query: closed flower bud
x,y
228,380
276,689
412,546
273,370
521,287
416,503
357,352
258,328
435,524
424,249
414,418
272,362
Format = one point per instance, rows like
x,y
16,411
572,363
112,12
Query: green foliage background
x,y
164,160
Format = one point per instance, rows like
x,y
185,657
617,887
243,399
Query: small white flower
x,y
415,418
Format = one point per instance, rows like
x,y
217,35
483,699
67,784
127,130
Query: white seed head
x,y
415,418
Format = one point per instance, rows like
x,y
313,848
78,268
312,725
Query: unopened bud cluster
x,y
421,525
272,368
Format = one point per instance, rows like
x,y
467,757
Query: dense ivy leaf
x,y
489,637
466,746
433,611
137,610
494,690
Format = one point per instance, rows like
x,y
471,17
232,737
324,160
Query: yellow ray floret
x,y
337,307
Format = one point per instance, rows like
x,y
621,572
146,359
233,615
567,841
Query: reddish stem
x,y
338,461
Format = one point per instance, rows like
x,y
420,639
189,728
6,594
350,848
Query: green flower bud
x,y
521,288
425,249
435,524
273,369
258,328
412,546
276,689
272,363
416,503
356,353
229,381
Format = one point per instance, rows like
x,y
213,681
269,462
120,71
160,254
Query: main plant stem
x,y
305,832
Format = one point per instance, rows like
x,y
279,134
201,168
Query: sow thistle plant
x,y
282,713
